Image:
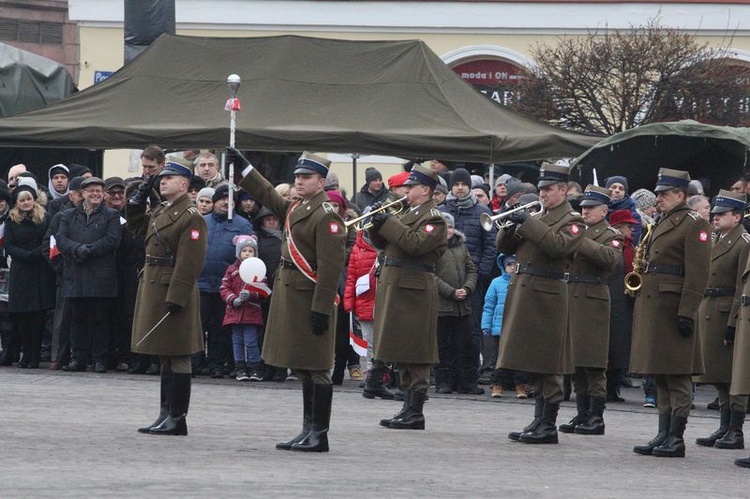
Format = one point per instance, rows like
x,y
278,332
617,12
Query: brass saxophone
x,y
634,279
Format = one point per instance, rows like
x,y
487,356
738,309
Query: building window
x,y
43,33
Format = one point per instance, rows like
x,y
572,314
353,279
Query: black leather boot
x,y
166,387
538,409
734,438
674,445
404,408
661,436
710,440
413,418
307,414
179,401
374,387
742,461
546,432
582,406
317,439
595,423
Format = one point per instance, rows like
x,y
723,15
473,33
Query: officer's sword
x,y
153,328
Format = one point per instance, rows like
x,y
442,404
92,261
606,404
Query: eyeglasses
x,y
116,193
94,191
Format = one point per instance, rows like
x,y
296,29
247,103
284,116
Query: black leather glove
x,y
140,195
684,326
379,218
519,217
319,323
236,157
82,252
375,206
173,307
729,334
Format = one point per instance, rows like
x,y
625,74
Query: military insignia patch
x,y
615,243
328,207
334,227
429,228
195,234
574,229
703,236
746,237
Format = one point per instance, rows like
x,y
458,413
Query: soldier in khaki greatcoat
x,y
717,316
301,326
406,302
674,276
175,250
589,302
740,385
536,338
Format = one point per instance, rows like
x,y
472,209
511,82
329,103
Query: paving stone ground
x,y
74,435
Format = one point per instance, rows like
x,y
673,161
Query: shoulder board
x,y
694,214
617,232
746,237
435,213
328,207
575,214
193,210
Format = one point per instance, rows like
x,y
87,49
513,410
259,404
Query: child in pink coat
x,y
243,311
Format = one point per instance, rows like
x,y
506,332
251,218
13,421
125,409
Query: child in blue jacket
x,y
492,321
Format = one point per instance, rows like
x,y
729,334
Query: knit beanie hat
x,y
442,185
242,241
643,199
206,192
24,184
372,174
460,175
476,181
449,220
616,179
220,192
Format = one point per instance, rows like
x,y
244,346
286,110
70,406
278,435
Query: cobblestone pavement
x,y
74,435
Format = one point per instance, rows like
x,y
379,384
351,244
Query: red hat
x,y
398,180
621,217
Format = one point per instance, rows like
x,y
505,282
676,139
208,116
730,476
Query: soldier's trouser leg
x,y
549,386
322,397
596,381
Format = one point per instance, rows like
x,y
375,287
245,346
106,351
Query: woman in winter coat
x,y
31,289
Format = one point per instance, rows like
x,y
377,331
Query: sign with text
x,y
100,76
495,78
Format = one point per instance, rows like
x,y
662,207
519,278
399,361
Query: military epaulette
x,y
617,232
575,214
694,214
328,207
193,210
746,237
434,212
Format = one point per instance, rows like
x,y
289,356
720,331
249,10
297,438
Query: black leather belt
x,y
664,269
588,279
421,267
160,261
549,274
288,264
719,292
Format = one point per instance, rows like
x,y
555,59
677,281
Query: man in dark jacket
x,y
373,190
88,237
466,210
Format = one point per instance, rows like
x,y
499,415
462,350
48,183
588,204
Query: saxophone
x,y
634,279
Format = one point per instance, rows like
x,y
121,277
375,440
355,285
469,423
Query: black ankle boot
x,y
307,415
179,401
374,387
661,436
399,414
317,439
733,438
546,432
413,418
582,406
165,389
710,440
674,445
595,424
538,409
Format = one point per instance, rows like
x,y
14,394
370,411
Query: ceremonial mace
x,y
232,105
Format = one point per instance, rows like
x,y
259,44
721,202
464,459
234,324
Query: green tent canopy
x,y
297,93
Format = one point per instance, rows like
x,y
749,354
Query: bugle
x,y
394,207
488,221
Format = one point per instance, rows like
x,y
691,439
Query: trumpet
x,y
488,221
394,208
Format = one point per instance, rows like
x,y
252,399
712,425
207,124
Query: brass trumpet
x,y
394,208
488,221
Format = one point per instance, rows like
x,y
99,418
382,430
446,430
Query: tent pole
x,y
355,156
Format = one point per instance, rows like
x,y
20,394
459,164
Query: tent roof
x,y
298,93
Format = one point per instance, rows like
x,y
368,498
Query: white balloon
x,y
252,270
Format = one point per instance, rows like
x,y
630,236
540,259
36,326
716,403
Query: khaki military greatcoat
x,y
406,301
741,356
589,302
320,236
728,259
681,238
177,231
535,336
